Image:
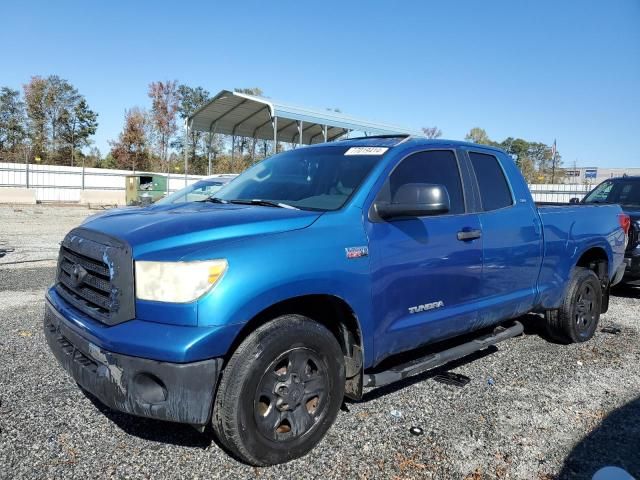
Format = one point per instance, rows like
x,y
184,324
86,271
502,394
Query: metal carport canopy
x,y
239,114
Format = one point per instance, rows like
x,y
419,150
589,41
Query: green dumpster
x,y
145,189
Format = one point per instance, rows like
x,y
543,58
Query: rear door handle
x,y
465,235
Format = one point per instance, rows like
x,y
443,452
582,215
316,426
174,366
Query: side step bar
x,y
438,359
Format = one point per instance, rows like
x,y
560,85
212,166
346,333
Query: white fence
x,y
554,193
54,183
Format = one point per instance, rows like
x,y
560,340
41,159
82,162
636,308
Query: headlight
x,y
177,282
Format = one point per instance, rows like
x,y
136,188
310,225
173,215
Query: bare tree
x,y
164,106
432,132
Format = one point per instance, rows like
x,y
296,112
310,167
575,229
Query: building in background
x,y
595,175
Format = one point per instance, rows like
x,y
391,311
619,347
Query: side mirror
x,y
574,200
415,200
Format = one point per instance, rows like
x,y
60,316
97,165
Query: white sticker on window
x,y
366,151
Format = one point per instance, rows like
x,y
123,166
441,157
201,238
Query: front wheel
x,y
577,318
280,391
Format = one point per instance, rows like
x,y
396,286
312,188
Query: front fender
x,y
270,269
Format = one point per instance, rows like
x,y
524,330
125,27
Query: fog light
x,y
147,388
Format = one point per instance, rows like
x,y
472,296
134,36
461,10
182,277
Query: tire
x,y
280,391
577,318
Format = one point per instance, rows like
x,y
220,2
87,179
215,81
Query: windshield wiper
x,y
213,200
264,203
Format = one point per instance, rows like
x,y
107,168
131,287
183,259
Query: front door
x,y
426,272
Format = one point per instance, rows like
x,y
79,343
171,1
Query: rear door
x,y
426,282
511,238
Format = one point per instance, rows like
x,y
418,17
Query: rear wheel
x,y
280,391
577,319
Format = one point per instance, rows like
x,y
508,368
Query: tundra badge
x,y
426,306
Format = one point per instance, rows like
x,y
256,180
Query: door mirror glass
x,y
574,200
415,200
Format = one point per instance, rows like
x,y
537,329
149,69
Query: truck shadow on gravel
x,y
407,382
627,290
156,430
616,441
533,325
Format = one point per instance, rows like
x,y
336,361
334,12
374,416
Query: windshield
x,y
621,192
307,178
198,191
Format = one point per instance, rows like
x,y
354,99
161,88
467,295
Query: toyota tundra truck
x,y
318,273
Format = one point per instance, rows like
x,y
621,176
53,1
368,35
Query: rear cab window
x,y
492,183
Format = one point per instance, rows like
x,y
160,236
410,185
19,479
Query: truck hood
x,y
162,227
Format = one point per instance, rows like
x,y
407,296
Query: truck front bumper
x,y
177,392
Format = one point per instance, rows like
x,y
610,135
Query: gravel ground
x,y
549,411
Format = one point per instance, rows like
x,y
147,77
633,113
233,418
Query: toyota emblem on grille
x,y
78,275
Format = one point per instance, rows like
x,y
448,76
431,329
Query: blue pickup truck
x,y
317,273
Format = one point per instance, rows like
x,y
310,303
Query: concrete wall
x,y
17,195
102,197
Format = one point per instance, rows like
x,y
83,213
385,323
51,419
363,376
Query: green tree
x,y
478,135
519,150
540,154
198,150
77,125
53,105
12,120
532,158
60,98
34,96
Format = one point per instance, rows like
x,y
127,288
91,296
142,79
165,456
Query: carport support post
x,y
233,151
212,135
186,149
209,153
275,135
300,133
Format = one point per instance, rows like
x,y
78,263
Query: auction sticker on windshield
x,y
366,151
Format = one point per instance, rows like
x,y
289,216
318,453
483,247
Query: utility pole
x,y
554,152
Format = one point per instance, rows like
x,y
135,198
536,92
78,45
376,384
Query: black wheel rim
x,y
291,395
584,311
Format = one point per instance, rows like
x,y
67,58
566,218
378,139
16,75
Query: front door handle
x,y
466,235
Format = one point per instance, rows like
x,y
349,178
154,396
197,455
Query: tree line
x,y
538,162
49,121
